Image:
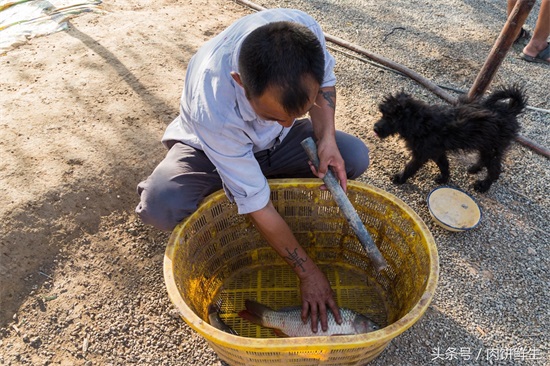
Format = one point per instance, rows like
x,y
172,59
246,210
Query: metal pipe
x,y
347,209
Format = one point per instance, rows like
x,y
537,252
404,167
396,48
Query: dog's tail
x,y
516,105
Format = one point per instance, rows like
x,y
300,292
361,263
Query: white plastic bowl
x,y
453,209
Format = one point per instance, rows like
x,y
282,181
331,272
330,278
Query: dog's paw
x,y
398,179
474,169
440,179
482,186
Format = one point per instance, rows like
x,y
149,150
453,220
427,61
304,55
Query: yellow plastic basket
x,y
217,255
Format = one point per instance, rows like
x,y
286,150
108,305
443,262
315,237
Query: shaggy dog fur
x,y
430,131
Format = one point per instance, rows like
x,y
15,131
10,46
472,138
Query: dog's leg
x,y
494,168
484,160
443,165
410,169
476,168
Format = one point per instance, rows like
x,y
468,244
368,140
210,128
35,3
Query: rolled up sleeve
x,y
243,180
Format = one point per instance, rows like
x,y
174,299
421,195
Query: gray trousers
x,y
186,176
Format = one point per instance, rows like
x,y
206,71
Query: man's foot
x,y
543,57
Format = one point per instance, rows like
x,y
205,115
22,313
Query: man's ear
x,y
237,77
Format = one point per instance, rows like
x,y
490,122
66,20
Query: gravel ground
x,y
491,306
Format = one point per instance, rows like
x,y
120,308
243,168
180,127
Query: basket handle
x,y
347,208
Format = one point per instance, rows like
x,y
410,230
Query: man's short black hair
x,y
281,55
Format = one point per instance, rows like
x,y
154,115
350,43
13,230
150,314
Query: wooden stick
x,y
347,208
501,47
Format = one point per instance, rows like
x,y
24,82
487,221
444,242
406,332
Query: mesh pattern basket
x,y
217,256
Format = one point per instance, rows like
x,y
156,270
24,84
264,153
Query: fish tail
x,y
215,319
213,308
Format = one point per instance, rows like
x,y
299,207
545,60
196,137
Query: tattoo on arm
x,y
330,97
295,259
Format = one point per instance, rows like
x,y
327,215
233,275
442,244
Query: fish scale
x,y
288,321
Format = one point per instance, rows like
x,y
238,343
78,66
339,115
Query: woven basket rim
x,y
317,343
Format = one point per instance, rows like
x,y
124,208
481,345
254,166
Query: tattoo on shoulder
x,y
330,97
295,259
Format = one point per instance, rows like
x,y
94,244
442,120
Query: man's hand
x,y
322,118
329,157
314,286
317,299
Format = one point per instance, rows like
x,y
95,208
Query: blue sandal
x,y
541,58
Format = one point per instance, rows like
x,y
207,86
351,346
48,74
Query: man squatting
x,y
239,125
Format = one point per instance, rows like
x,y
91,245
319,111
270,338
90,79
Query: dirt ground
x,y
82,113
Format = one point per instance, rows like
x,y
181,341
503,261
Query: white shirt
x,y
216,117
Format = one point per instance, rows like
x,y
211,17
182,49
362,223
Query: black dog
x,y
430,131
